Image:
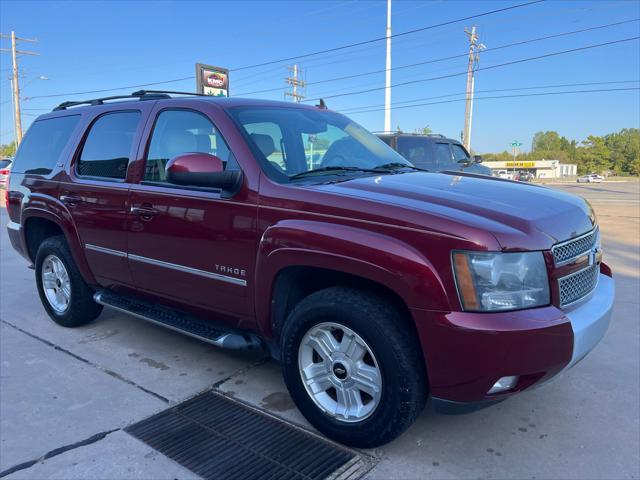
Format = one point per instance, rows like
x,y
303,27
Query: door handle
x,y
146,211
70,199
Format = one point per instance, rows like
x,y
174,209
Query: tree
x,y
619,152
625,150
594,155
548,141
8,150
424,130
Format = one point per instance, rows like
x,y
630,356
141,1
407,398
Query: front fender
x,y
370,255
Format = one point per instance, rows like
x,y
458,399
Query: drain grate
x,y
216,437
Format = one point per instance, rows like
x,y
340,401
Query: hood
x,y
519,215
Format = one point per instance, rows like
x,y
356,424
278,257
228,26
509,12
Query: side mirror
x,y
477,158
202,170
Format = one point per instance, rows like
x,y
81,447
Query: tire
x,y
63,281
350,315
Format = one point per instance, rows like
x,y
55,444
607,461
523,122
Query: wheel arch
x,y
298,257
38,225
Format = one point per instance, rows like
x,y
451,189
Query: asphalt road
x,y
60,387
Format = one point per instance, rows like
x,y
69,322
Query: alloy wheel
x,y
340,372
56,284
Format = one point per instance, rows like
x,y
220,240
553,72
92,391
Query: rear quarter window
x,y
43,144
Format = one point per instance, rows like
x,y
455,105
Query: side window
x,y
106,150
183,131
442,154
268,138
418,151
459,153
43,144
386,139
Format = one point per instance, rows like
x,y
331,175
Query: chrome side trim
x,y
173,266
194,271
109,251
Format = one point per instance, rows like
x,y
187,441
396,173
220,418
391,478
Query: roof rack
x,y
140,94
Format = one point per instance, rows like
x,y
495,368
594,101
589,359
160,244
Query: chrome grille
x,y
577,285
567,251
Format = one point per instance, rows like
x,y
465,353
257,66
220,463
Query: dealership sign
x,y
212,80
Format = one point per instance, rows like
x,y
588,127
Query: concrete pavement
x,y
66,394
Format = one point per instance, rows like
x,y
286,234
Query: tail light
x,y
4,171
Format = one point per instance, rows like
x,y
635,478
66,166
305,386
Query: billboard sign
x,y
212,80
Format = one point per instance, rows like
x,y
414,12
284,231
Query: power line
x,y
319,52
493,90
378,39
505,96
110,89
513,62
451,57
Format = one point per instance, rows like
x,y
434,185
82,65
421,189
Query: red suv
x,y
257,224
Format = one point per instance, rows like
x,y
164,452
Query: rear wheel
x,y
64,294
353,367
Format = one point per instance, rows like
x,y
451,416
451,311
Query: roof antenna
x,y
322,105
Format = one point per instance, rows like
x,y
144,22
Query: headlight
x,y
501,281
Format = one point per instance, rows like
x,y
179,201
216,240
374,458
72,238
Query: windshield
x,y
296,140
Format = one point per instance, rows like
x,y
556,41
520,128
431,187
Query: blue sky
x,y
91,45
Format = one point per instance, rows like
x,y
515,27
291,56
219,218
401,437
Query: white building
x,y
540,168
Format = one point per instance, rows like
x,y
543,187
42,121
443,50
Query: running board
x,y
201,329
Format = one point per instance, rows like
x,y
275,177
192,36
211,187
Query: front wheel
x,y
353,366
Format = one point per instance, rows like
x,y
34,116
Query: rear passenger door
x,y
96,194
188,244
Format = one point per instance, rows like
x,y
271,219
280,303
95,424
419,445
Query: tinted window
x,y
442,153
459,153
386,139
106,151
418,151
183,131
43,144
5,163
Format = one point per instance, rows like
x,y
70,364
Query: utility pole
x,y
474,48
387,88
15,79
295,80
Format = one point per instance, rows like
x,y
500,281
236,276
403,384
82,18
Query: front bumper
x,y
590,320
466,353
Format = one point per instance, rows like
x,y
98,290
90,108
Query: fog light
x,y
505,383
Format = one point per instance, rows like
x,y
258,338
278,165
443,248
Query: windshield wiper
x,y
338,169
398,166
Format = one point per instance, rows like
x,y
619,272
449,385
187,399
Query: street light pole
x,y
387,88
